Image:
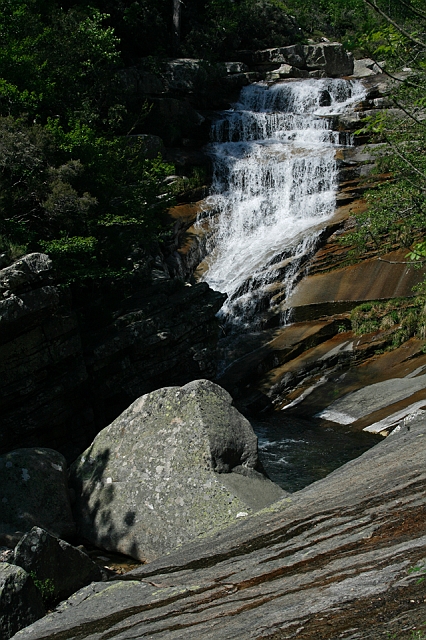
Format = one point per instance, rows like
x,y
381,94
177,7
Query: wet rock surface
x,y
333,560
178,464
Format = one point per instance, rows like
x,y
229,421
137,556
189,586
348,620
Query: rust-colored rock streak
x,y
389,277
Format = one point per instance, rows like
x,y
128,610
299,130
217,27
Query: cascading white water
x,y
274,180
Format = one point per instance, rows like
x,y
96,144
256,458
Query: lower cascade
x,y
274,184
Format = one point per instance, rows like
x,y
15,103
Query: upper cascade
x,y
274,180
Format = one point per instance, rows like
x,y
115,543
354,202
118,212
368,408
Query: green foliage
x,y
54,61
216,28
419,569
184,185
46,588
399,319
84,198
396,214
333,18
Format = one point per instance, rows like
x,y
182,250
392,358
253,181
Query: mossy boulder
x,y
179,463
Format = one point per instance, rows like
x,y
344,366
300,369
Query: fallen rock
x,y
21,603
334,560
366,67
34,492
66,568
286,71
160,474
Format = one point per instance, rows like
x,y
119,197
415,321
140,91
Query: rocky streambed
x,y
341,558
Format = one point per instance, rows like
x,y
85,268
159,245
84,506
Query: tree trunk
x,y
176,25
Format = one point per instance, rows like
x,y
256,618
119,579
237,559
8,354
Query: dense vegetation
x,y
396,216
73,184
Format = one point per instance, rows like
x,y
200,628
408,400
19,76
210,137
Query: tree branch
x,y
395,24
414,262
407,113
405,159
416,12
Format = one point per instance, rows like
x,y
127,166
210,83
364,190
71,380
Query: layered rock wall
x,y
63,382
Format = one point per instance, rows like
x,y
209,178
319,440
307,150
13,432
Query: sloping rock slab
x,y
49,558
20,601
157,476
333,561
340,290
34,492
360,403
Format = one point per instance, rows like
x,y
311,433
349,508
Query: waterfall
x,y
274,183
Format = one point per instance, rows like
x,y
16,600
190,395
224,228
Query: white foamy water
x,y
274,180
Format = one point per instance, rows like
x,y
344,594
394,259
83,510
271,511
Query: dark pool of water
x,y
296,452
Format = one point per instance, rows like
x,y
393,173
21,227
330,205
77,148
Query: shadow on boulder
x,y
179,463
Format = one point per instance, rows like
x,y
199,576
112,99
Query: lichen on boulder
x,y
179,463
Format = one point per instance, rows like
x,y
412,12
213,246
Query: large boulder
x,y
179,463
367,67
21,603
32,268
330,57
52,560
34,492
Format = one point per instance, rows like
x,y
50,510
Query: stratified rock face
x,y
34,491
41,359
29,269
66,568
20,601
61,385
158,476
